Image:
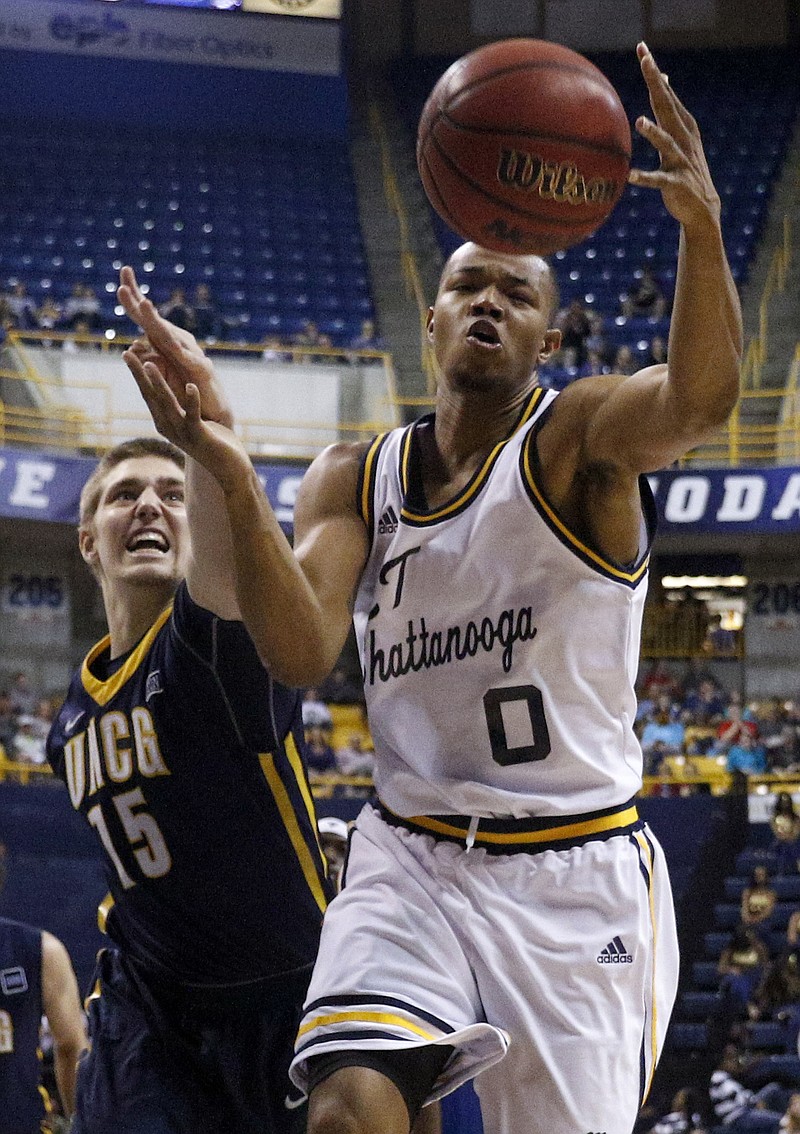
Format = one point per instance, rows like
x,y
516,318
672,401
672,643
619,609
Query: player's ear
x,y
429,323
86,545
550,344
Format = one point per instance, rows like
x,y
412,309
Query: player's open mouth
x,y
484,333
148,541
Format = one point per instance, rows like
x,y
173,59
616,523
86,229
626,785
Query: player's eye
x,y
174,495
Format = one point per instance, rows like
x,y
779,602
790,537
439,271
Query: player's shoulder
x,y
332,478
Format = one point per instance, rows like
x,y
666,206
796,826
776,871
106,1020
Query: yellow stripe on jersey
x,y
103,910
557,522
93,995
385,1018
644,846
103,691
299,774
369,462
281,797
477,482
546,835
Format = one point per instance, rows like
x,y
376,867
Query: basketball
x,y
524,147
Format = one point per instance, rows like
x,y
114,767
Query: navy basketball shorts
x,y
551,974
163,1062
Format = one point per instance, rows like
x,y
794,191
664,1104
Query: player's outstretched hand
x,y
211,443
683,176
175,352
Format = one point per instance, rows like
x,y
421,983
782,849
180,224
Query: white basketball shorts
x,y
551,973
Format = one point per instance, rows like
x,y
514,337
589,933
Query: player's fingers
x,y
663,100
668,149
654,179
162,400
127,278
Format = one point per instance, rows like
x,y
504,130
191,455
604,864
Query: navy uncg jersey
x,y
186,761
22,1105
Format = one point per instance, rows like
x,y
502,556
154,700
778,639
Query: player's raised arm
x,y
649,420
177,356
296,607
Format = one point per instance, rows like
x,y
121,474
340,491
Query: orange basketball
x,y
524,147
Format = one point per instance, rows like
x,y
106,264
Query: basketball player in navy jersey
x,y
184,756
505,913
36,979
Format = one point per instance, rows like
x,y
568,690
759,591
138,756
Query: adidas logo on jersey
x,y
387,525
615,953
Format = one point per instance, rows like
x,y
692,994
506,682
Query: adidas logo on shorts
x,y
387,525
615,953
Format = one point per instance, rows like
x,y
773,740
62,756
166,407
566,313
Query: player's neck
x,y
469,423
130,612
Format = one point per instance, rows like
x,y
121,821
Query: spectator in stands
x,y
719,640
82,331
354,759
575,326
178,310
770,723
758,898
22,308
49,317
736,723
333,835
686,1114
316,713
365,339
646,297
665,729
319,754
706,702
624,361
658,679
747,756
594,364
342,688
28,747
307,337
22,694
82,306
207,319
8,721
699,733
785,827
657,352
273,350
790,1123
741,965
597,340
737,1107
777,997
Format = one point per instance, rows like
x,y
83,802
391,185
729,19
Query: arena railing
x,y
49,419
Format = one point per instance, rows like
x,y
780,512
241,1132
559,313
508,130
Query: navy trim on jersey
x,y
365,491
530,471
363,1033
526,836
389,1001
414,512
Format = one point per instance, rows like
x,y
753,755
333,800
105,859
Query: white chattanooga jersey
x,y
499,651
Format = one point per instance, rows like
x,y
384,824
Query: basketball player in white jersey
x,y
505,914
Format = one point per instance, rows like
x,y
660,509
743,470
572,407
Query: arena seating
x,y
745,102
690,1031
272,228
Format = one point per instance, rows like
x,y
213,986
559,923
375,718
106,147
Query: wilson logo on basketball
x,y
553,181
